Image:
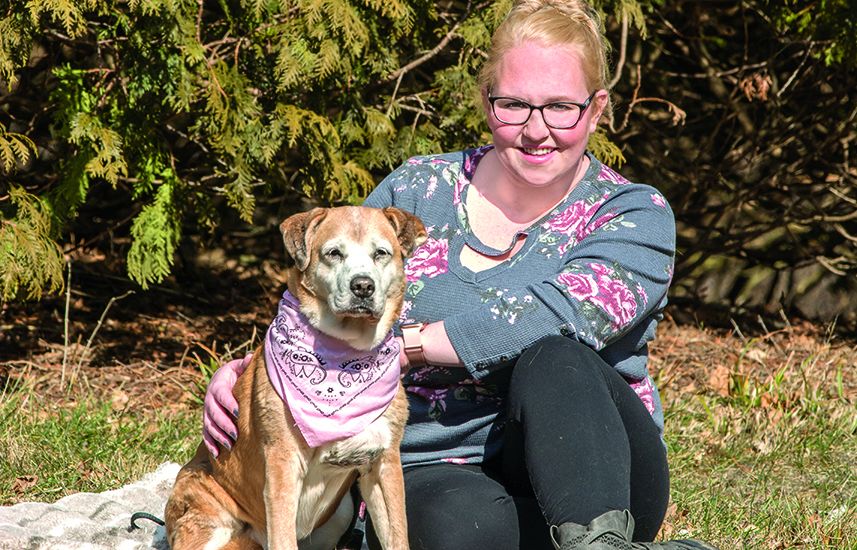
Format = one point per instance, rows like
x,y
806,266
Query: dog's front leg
x,y
283,486
383,489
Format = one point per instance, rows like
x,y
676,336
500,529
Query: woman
x,y
533,420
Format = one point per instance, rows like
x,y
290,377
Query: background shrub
x,y
137,123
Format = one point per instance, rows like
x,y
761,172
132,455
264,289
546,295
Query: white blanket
x,y
92,521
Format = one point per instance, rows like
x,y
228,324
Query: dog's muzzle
x,y
362,300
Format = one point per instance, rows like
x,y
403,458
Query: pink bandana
x,y
332,390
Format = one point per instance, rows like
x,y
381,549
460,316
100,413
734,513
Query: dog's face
x,y
346,267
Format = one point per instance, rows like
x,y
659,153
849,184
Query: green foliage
x,y
827,24
13,54
632,10
14,148
181,108
605,150
30,261
156,232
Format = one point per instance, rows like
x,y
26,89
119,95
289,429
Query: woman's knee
x,y
464,510
461,522
556,361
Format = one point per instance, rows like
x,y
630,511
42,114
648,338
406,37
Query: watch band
x,y
412,337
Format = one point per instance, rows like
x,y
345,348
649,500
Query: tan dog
x,y
272,489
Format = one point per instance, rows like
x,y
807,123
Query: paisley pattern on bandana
x,y
332,390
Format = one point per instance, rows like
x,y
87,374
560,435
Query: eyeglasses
x,y
561,115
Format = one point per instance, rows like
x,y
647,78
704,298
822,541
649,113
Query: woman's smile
x,y
538,155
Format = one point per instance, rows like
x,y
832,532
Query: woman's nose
x,y
535,128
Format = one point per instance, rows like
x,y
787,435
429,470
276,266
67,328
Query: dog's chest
x,y
359,450
332,465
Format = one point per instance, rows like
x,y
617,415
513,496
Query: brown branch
x,y
794,74
417,110
98,326
827,263
836,219
718,74
395,91
199,22
398,73
843,196
679,114
623,48
841,230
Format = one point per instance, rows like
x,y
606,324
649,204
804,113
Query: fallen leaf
x,y
118,400
668,525
718,380
758,355
22,483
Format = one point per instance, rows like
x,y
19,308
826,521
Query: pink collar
x,y
332,390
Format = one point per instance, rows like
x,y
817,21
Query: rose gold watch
x,y
412,336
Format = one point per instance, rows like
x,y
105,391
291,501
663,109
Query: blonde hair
x,y
551,23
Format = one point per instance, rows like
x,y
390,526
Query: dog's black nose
x,y
362,287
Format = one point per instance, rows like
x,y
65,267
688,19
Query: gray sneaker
x,y
613,531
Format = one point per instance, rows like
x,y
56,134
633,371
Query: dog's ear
x,y
409,228
297,233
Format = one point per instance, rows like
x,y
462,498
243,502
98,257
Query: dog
x,y
287,478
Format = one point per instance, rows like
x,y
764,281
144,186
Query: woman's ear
x,y
598,107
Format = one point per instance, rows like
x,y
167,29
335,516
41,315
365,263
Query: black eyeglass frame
x,y
582,106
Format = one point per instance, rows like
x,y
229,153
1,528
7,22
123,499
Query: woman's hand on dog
x,y
221,408
404,363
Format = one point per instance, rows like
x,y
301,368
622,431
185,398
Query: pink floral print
x,y
429,260
573,220
641,292
646,392
406,310
658,200
580,286
617,300
435,396
460,183
590,228
603,289
431,187
609,174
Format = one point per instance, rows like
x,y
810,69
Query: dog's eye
x,y
381,254
334,254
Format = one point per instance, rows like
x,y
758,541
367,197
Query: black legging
x,y
578,443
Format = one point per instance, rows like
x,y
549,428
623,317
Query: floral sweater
x,y
596,268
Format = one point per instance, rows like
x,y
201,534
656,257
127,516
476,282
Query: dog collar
x,y
332,390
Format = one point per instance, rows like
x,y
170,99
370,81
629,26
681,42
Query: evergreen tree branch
x,y
439,47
